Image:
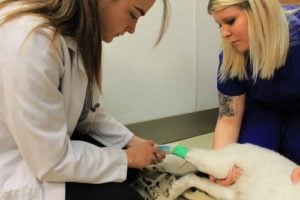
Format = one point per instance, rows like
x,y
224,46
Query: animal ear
x,y
296,175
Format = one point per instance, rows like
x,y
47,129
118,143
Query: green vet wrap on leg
x,y
180,151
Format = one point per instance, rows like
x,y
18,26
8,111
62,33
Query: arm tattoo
x,y
226,108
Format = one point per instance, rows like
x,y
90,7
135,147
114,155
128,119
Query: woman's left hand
x,y
295,177
134,141
158,156
231,178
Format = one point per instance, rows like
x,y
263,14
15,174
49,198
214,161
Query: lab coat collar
x,y
71,43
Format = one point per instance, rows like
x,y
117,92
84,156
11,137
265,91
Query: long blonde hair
x,y
268,38
72,18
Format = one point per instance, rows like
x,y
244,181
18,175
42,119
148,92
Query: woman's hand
x,y
141,152
134,141
231,178
158,156
295,177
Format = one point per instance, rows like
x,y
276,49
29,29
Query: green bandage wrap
x,y
180,151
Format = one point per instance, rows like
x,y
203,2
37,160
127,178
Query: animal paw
x,y
181,185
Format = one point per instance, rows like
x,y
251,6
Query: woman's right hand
x,y
231,178
296,175
141,154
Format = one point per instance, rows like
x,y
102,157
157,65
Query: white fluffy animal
x,y
265,174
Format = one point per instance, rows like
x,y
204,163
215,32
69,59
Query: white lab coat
x,y
42,91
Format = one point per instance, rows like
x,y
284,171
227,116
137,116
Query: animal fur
x,y
265,174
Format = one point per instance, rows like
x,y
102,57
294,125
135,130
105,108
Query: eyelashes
x,y
132,16
229,22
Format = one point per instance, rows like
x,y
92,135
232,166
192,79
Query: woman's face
x,y
121,16
233,24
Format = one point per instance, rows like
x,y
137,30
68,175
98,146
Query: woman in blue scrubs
x,y
259,75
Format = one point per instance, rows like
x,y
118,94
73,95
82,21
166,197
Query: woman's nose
x,y
131,27
225,31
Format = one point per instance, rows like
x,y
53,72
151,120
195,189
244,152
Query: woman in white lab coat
x,y
50,81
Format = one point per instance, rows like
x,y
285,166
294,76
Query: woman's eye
x,y
132,16
230,21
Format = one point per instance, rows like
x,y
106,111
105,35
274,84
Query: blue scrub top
x,y
282,91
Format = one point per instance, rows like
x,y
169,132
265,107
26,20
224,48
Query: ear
x,y
296,175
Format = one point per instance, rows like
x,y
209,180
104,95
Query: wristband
x,y
180,151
